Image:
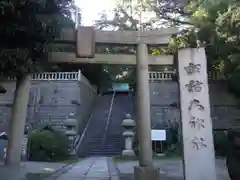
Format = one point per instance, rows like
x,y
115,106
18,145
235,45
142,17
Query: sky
x,y
90,9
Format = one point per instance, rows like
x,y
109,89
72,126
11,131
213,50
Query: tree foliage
x,y
125,19
27,28
214,24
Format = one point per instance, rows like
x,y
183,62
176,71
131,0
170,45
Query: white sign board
x,y
158,135
198,148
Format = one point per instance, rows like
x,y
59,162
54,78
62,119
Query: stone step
x,y
112,145
94,138
104,153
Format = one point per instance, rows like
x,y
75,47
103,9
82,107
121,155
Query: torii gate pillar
x,y
145,170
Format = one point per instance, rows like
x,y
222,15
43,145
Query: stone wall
x,y
224,109
52,97
88,95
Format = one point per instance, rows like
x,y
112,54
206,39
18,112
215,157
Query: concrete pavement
x,y
103,168
95,168
18,173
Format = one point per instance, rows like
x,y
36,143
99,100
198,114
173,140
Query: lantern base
x,y
128,152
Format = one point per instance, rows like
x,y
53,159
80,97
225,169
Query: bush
x,y
220,143
48,145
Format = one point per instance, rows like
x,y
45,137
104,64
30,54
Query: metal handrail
x,y
79,139
108,119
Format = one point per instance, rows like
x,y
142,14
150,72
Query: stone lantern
x,y
70,125
128,124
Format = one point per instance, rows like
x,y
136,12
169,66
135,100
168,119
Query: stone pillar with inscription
x,y
198,147
145,170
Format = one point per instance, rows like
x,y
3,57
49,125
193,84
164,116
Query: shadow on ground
x,y
170,169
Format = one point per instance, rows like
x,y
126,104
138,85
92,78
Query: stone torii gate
x,y
85,39
195,109
194,94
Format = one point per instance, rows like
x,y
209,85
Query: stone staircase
x,y
92,142
104,138
114,141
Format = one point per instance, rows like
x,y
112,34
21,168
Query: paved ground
x,y
41,167
102,168
170,169
89,169
16,173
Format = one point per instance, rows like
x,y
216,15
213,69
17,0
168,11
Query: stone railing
x,y
38,78
62,76
57,76
157,76
168,75
153,76
48,76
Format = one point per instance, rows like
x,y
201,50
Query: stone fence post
x,y
128,123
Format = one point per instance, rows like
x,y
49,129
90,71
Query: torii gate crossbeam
x,y
85,39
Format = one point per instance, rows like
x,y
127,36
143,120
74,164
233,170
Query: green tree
x,y
213,24
26,30
25,35
124,19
